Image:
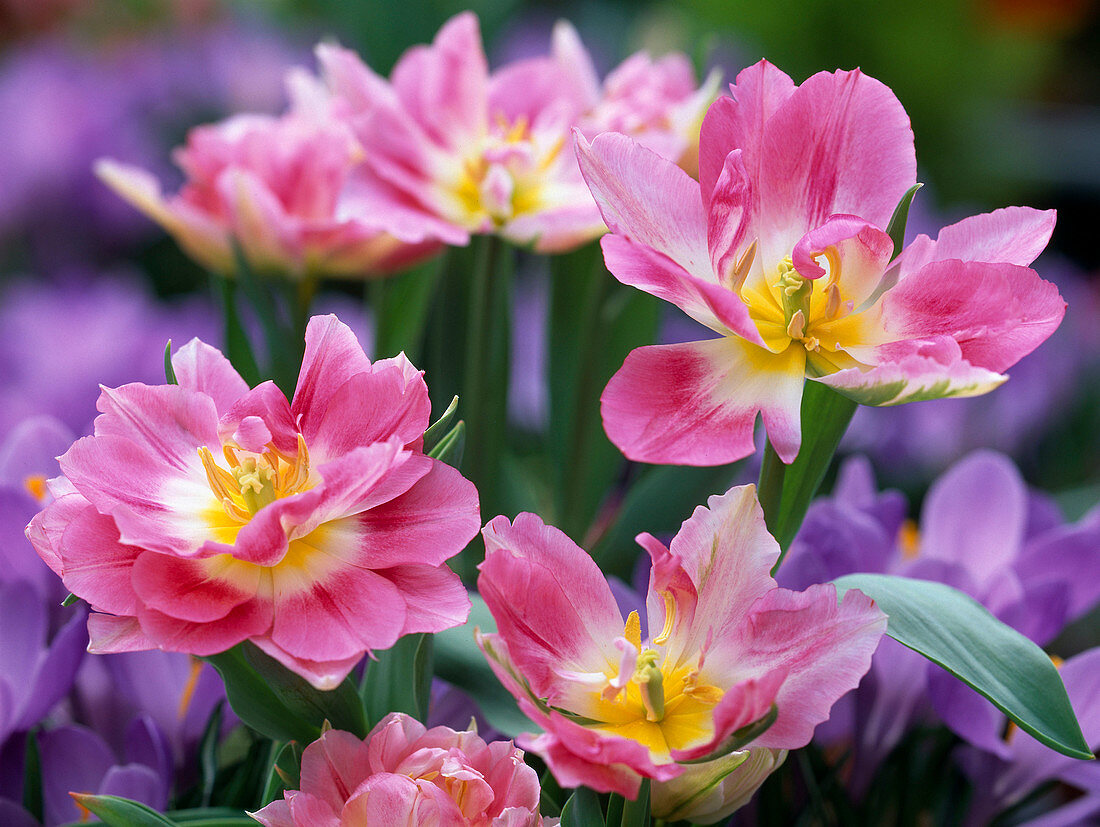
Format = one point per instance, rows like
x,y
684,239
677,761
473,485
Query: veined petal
x,y
647,198
202,368
251,618
332,356
998,313
727,553
568,617
974,516
914,373
738,122
840,143
826,648
268,403
435,598
198,590
1011,235
110,634
696,403
322,674
708,303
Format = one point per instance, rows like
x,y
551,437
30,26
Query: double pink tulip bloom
x,y
781,248
204,514
404,774
724,646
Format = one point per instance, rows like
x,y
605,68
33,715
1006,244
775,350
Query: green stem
x,y
786,491
636,812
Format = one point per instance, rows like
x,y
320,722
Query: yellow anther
x,y
832,300
741,269
230,454
633,630
36,485
222,483
670,619
796,329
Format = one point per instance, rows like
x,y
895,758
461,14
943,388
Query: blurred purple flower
x,y
981,531
66,105
58,342
76,759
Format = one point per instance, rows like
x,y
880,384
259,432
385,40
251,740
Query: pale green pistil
x,y
651,683
257,483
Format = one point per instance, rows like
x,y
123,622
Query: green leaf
x,y
441,427
582,810
69,600
32,777
237,347
460,661
636,812
211,817
169,371
280,704
451,447
896,228
956,632
121,812
785,491
399,680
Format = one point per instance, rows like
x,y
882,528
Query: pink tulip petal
x,y
435,598
201,639
863,252
729,218
741,705
202,368
573,620
998,313
708,303
696,403
825,648
840,143
321,674
332,356
195,590
108,634
334,764
731,526
739,122
912,378
1011,235
267,403
96,565
647,198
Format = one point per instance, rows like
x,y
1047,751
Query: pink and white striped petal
x,y
696,403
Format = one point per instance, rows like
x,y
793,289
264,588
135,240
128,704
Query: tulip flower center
x,y
662,703
504,177
253,480
789,309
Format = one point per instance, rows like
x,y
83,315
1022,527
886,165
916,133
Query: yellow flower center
x,y
252,481
811,313
664,705
504,176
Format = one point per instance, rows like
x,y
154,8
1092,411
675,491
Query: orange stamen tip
x,y
36,485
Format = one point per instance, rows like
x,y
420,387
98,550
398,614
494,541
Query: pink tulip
x,y
204,514
287,190
781,249
725,644
489,152
404,774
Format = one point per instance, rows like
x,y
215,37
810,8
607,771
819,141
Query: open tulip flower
x,y
286,190
730,650
782,248
204,514
489,152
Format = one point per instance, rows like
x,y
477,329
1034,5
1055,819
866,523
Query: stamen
x,y
742,267
633,630
832,301
235,511
36,485
670,619
189,688
797,327
222,483
230,454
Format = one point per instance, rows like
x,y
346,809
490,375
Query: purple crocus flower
x,y
981,531
76,759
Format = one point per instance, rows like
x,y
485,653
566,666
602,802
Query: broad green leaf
x,y
169,371
238,349
208,754
785,491
399,679
286,772
956,632
32,777
460,661
582,810
636,811
280,704
121,812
